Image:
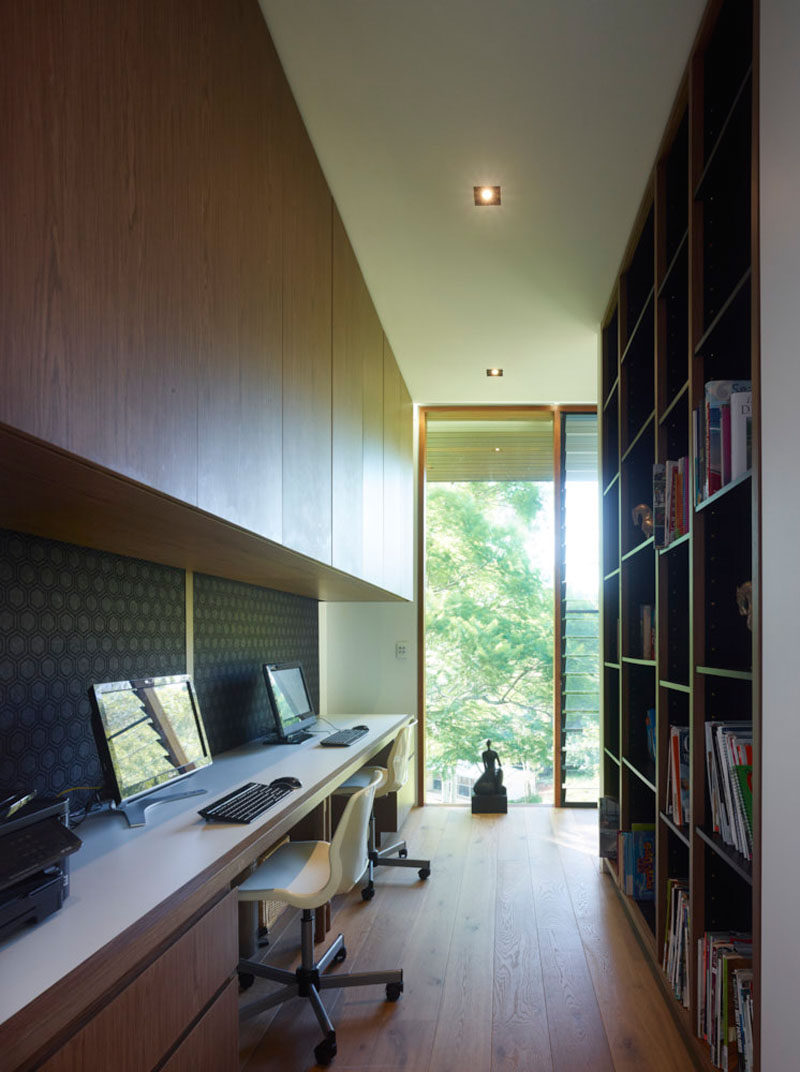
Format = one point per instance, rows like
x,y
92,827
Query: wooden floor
x,y
517,957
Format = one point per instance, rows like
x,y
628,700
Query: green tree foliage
x,y
489,628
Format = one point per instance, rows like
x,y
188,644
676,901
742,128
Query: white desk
x,y
133,890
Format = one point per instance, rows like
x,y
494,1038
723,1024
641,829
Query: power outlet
x,y
401,649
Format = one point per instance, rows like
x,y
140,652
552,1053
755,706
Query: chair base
x,y
385,857
309,979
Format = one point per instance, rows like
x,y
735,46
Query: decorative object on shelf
x,y
744,601
643,519
489,793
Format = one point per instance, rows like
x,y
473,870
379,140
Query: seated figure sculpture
x,y
491,781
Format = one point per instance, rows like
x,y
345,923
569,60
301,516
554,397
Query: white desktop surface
x,y
119,875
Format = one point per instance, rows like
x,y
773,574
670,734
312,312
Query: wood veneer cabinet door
x,y
373,466
102,255
213,1045
357,353
398,479
239,374
143,1022
307,223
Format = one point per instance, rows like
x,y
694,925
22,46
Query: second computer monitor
x,y
291,704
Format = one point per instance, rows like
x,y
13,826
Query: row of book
x,y
722,431
636,857
725,998
671,501
675,960
678,802
729,768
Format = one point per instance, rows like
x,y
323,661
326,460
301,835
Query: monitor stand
x,y
134,812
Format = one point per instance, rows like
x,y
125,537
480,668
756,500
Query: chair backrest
x,y
348,851
399,756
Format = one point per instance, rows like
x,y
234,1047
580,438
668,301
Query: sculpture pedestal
x,y
489,804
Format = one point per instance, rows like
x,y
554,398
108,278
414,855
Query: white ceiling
x,y
410,103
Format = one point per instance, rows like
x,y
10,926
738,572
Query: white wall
x,y
780,407
359,671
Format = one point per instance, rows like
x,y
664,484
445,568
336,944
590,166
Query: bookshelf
x,y
683,312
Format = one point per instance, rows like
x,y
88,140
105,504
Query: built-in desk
x,y
149,929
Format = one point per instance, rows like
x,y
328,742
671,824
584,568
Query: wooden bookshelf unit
x,y
683,312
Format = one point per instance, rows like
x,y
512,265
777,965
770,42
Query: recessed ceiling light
x,y
486,195
494,372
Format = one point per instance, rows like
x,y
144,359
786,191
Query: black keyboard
x,y
344,737
33,848
245,803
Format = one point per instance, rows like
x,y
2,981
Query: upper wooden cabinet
x,y
170,308
307,223
239,373
398,479
357,401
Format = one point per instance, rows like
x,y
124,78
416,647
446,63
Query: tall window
x,y
494,655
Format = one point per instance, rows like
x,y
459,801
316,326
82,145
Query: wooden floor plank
x,y
520,1038
577,1035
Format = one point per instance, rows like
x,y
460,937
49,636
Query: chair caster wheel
x,y
393,991
424,872
246,980
403,853
341,956
326,1051
367,893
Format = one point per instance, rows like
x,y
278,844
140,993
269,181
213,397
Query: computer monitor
x,y
291,705
149,734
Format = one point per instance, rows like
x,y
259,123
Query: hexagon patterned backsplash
x,y
71,616
238,628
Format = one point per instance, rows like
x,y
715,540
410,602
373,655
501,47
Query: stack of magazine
x,y
725,998
729,767
675,961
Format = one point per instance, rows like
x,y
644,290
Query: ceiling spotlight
x,y
486,195
497,450
494,372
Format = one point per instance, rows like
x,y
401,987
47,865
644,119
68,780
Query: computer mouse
x,y
288,780
362,727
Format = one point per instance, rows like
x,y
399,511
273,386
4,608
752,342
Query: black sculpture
x,y
489,793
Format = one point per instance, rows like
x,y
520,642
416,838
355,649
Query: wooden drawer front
x,y
213,1044
134,1031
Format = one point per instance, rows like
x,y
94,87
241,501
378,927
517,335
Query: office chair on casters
x,y
306,874
393,777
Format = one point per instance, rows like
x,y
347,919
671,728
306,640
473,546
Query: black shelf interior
x,y
638,683
610,353
611,531
726,62
725,348
674,331
674,442
636,476
610,418
676,181
611,715
638,279
724,195
638,591
611,619
728,643
675,617
729,885
638,377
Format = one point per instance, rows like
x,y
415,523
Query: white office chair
x,y
306,874
393,777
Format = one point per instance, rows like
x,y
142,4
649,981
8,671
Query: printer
x,y
35,845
